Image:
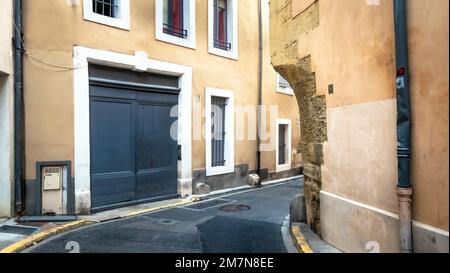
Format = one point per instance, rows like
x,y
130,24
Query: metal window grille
x,y
108,8
222,45
282,144
218,133
283,83
175,31
221,25
174,18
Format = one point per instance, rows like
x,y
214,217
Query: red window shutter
x,y
222,26
177,13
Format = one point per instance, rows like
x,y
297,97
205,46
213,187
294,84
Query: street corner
x,y
21,242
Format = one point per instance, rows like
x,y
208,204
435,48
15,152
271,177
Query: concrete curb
x,y
308,241
288,241
132,212
299,240
42,235
144,211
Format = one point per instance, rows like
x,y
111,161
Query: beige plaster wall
x,y
52,30
356,54
428,44
351,45
6,32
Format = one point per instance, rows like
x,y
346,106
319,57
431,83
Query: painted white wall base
x,y
352,226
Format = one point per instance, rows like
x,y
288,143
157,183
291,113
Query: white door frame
x,y
229,129
288,153
84,56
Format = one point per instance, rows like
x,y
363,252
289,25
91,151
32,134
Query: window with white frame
x,y
175,22
222,28
219,134
115,13
283,86
283,141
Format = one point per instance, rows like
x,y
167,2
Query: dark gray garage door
x,y
133,156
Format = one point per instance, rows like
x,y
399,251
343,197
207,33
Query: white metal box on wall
x,y
52,190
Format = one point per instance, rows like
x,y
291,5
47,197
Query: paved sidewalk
x,y
7,239
307,241
11,232
134,210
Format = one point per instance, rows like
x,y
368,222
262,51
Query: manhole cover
x,y
235,208
167,222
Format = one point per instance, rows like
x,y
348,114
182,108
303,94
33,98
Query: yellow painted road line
x,y
300,240
40,236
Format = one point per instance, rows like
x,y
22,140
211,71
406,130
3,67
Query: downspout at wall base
x,y
18,108
405,224
404,123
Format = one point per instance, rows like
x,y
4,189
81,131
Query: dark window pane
x,y
108,8
218,105
282,144
221,25
173,18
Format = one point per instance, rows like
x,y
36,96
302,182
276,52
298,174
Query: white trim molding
x,y
82,58
284,90
232,30
188,20
229,131
288,153
6,145
122,21
353,202
386,213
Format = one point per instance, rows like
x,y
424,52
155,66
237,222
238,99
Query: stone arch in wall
x,y
313,126
296,69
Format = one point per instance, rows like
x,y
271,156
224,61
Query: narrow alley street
x,y
243,222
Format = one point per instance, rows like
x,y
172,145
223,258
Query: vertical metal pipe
x,y
18,109
404,123
260,74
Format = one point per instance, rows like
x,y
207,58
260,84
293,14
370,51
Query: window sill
x,y
224,53
286,91
123,23
171,39
282,168
117,23
219,170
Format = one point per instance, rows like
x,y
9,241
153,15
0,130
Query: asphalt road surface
x,y
243,222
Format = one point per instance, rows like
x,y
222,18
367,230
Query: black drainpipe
x,y
404,187
260,72
18,108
